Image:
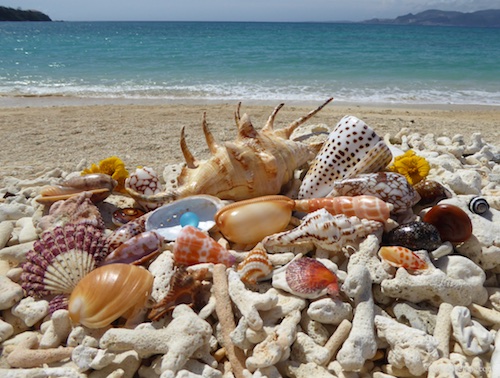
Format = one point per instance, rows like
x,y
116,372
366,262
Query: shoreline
x,y
22,101
39,138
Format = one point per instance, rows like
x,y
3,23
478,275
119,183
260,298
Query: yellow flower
x,y
112,166
414,168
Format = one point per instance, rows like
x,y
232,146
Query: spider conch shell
x,y
255,164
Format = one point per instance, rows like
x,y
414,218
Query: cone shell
x,y
352,148
390,187
193,246
108,293
307,276
255,266
401,257
248,222
61,258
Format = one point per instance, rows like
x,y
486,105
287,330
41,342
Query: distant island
x,y
11,14
485,18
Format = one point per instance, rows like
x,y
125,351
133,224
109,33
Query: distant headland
x,y
485,18
11,14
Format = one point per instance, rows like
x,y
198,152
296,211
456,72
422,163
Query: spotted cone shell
x,y
61,258
352,148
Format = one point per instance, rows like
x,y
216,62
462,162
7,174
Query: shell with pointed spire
x,y
352,148
255,266
145,180
257,163
390,187
194,246
321,229
61,258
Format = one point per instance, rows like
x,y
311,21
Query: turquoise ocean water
x,y
251,61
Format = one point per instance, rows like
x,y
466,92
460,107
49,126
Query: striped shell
x,y
99,184
127,231
61,258
255,266
108,293
367,207
194,246
390,187
479,205
308,276
352,148
322,230
401,257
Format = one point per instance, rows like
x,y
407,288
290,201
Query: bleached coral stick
x,y
442,332
226,319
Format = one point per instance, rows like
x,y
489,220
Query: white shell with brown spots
x,y
352,148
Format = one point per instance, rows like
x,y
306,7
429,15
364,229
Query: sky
x,y
240,10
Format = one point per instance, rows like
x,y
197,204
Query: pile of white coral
x,y
386,323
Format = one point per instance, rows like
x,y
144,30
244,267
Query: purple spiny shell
x,y
61,258
414,235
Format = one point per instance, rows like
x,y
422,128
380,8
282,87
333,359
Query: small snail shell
x,y
479,205
109,292
123,216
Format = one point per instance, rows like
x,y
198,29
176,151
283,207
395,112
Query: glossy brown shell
x,y
453,224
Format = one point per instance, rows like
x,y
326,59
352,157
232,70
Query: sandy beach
x,y
39,135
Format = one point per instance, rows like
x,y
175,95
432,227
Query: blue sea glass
x,y
189,219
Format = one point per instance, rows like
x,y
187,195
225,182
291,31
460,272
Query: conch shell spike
x,y
270,122
188,156
287,131
245,128
211,143
237,114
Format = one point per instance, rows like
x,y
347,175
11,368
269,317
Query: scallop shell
x,y
390,187
194,246
307,276
398,256
322,230
255,266
166,219
479,205
108,293
352,148
249,221
61,257
453,224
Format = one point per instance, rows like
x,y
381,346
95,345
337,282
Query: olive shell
x,y
453,224
415,236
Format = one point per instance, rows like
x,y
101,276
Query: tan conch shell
x,y
255,164
108,293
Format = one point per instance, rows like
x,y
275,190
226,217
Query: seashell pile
x,y
353,272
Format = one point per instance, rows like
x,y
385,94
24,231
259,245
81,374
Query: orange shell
x,y
250,221
401,257
307,275
193,246
109,292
